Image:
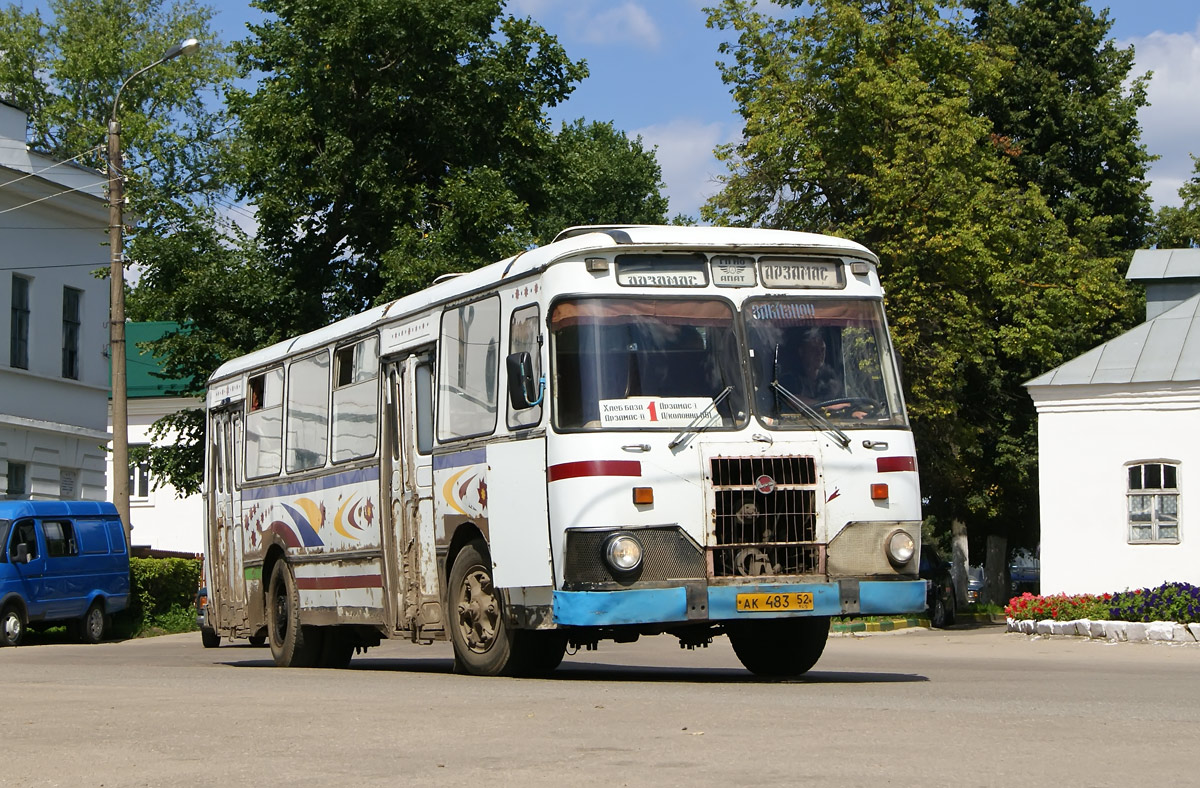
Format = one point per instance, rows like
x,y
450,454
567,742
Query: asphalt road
x,y
966,707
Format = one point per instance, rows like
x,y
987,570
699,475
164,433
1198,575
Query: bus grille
x,y
766,517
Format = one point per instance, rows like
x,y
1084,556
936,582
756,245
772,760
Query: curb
x,y
886,625
1111,631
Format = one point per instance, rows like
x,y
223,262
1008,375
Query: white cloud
x,y
628,23
685,153
1171,124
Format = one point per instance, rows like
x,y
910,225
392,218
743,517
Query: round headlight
x,y
900,548
623,552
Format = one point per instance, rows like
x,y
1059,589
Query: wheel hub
x,y
478,610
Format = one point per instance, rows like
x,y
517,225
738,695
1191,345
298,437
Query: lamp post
x,y
116,319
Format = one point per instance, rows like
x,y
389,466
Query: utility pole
x,y
116,314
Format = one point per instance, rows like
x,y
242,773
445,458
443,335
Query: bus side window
x,y
356,400
468,368
523,337
264,425
424,384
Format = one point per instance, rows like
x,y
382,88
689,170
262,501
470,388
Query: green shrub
x,y
162,596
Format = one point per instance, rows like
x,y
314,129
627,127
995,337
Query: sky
x,y
653,74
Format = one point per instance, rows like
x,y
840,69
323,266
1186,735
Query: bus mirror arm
x,y
522,393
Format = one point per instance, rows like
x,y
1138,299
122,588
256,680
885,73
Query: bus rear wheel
x,y
779,647
484,643
292,645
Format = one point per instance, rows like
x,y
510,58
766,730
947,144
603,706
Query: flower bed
x,y
1177,602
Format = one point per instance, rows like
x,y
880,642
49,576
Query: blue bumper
x,y
667,605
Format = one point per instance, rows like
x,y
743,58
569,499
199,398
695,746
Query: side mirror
x,y
523,390
22,554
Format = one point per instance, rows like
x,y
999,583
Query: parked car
x,y
1024,573
975,584
61,562
940,603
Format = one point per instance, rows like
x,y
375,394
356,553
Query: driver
x,y
812,379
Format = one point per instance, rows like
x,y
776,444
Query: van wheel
x,y
12,626
209,638
258,640
292,645
94,623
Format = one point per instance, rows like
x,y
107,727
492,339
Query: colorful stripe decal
x,y
308,486
459,458
892,464
575,470
332,583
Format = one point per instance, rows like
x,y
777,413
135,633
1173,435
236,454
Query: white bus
x,y
634,430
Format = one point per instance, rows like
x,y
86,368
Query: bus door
x,y
410,409
229,587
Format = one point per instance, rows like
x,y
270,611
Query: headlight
x,y
900,548
623,552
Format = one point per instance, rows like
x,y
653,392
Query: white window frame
x,y
1158,520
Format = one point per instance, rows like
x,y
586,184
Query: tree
x,y
1067,108
1179,227
859,121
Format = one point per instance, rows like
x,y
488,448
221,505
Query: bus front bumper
x,y
719,603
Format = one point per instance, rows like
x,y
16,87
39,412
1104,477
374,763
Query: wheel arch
x,y
13,598
464,534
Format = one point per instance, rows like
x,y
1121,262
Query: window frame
x,y
135,480
531,417
258,411
346,355
72,320
19,323
445,413
9,490
66,538
1154,494
292,444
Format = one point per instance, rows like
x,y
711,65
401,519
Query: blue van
x,y
62,561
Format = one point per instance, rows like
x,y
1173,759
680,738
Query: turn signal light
x,y
643,495
879,492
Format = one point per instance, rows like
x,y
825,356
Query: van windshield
x,y
646,363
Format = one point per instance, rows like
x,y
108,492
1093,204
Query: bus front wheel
x,y
292,645
484,643
779,647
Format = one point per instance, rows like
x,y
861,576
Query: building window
x,y
70,332
139,471
15,485
18,343
1153,502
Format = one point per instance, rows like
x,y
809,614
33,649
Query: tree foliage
x,y
1178,227
860,120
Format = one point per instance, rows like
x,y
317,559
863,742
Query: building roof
x,y
1165,349
1154,264
142,368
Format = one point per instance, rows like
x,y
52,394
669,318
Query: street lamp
x,y
116,319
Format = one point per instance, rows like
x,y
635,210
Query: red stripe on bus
x,y
334,583
575,470
890,464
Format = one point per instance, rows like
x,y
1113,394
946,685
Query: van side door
x,y
28,575
63,584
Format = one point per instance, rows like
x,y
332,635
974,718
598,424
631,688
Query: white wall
x,y
162,520
55,426
1086,435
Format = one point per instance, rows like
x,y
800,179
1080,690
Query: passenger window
x,y
60,538
24,533
308,412
356,400
264,425
468,369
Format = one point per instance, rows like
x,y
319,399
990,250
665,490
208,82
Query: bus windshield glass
x,y
646,363
821,357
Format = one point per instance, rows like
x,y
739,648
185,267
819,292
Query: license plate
x,y
774,603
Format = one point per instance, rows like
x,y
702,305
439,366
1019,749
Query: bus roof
x,y
568,243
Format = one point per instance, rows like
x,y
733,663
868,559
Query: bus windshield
x,y
817,360
646,363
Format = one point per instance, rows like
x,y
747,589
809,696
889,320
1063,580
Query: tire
x,y
209,638
94,624
292,645
258,641
780,647
337,649
12,625
484,643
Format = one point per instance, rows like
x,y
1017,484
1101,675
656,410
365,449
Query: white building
x,y
53,369
161,520
1118,455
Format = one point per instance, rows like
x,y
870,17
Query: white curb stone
x,y
1136,632
1029,626
1194,629
1096,629
1062,627
1045,627
1083,627
1114,630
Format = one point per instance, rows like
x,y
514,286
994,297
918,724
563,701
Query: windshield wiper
x,y
842,438
691,425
